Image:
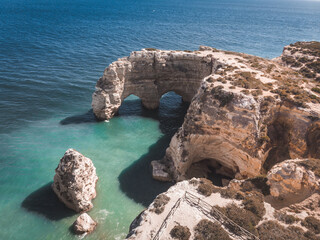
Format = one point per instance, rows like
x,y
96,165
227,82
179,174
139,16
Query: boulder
x,y
159,171
291,178
75,181
84,224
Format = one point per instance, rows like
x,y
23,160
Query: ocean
x,y
52,52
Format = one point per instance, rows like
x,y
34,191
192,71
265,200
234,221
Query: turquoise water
x,y
51,55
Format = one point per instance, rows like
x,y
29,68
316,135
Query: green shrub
x,y
312,224
205,187
254,202
207,230
240,216
271,230
180,232
159,203
307,73
288,219
315,66
151,49
316,89
311,236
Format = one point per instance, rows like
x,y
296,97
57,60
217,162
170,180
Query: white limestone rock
x,y
288,178
75,181
84,224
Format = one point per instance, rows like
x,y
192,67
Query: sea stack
x,y
75,181
84,224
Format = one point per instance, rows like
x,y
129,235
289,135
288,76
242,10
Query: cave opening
x,y
212,170
279,132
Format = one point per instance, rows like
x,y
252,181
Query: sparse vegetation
x,y
151,49
271,230
180,232
312,164
307,73
312,48
312,223
288,219
159,203
205,187
240,216
207,230
223,96
316,89
254,202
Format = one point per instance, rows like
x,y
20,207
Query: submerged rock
x,y
75,181
84,224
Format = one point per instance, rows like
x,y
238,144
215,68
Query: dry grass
x,y
159,203
180,232
207,230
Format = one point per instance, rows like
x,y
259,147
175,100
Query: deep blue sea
x,y
51,55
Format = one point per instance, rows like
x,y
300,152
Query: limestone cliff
x,y
246,113
196,209
149,74
303,57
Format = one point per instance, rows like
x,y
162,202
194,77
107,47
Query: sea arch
x,y
149,74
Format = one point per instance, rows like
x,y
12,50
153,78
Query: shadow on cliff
x,y
45,202
87,117
136,181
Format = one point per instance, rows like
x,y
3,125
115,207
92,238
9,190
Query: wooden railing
x,y
234,229
165,222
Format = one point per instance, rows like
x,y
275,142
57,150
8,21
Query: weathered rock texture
x,y
75,181
244,202
303,57
149,74
247,116
246,113
84,224
290,178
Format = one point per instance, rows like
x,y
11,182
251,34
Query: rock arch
x,y
149,74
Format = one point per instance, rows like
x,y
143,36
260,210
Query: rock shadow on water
x,y
136,181
44,201
87,117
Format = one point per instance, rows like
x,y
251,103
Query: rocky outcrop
x,y
190,202
160,171
75,181
149,74
289,179
247,116
84,224
303,57
246,113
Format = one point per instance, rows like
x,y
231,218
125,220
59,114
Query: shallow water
x,y
51,55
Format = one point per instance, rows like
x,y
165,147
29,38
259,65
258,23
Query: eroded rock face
x,y
303,57
84,224
290,178
149,74
250,114
246,113
75,181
